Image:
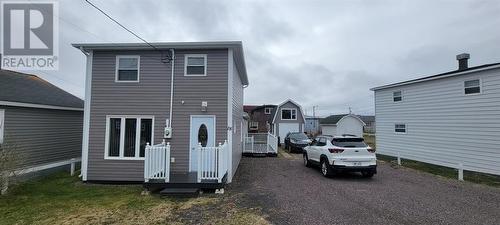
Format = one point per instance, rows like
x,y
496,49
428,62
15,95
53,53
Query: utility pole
x,y
314,110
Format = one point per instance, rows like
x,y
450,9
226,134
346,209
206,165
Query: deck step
x,y
180,192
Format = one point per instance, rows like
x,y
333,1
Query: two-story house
x,y
172,114
450,119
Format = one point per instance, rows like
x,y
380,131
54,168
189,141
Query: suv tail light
x,y
371,150
336,150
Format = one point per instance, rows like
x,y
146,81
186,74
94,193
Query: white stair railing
x,y
248,144
157,162
212,162
272,143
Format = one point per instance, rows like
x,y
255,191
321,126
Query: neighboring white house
x,y
447,119
342,124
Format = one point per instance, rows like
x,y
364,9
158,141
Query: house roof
x,y
441,75
16,87
334,119
236,46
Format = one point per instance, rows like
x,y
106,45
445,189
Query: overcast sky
x,y
325,53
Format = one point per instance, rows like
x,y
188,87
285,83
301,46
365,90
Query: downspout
x,y
172,63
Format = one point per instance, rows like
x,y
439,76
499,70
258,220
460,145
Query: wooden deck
x,y
185,180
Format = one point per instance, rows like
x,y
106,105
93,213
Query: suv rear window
x,y
349,142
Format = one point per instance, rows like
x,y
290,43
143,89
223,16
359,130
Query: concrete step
x,y
180,192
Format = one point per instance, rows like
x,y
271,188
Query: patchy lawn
x,y
61,199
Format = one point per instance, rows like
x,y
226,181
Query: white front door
x,y
202,131
285,128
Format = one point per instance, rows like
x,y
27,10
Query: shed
x,y
342,124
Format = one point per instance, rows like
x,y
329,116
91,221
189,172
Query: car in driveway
x,y
296,141
341,153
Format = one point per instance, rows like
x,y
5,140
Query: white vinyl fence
x,y
260,143
212,162
157,162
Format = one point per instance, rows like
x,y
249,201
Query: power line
x,y
112,19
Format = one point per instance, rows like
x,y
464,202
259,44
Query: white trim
x,y
293,102
45,166
39,106
353,116
434,78
472,79
186,56
2,124
270,110
230,74
122,136
189,136
406,128
291,110
117,65
86,116
401,92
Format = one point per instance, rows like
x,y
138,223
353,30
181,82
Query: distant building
x,y
342,124
311,126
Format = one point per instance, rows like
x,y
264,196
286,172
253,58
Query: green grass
x,y
61,199
475,177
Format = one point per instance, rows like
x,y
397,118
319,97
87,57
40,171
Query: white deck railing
x,y
260,143
157,162
212,162
272,143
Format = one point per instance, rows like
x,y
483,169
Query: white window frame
x,y
268,110
291,114
186,65
122,136
480,86
400,91
252,127
117,66
406,128
2,125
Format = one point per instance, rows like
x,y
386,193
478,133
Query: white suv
x,y
341,153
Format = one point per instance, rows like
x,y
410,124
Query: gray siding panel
x,y
151,96
43,136
237,111
444,126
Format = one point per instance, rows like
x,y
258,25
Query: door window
x,y
203,135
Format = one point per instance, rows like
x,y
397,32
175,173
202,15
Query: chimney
x,y
463,61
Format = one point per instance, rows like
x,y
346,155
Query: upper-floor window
x,y
267,110
289,114
127,136
472,86
397,96
400,128
127,68
195,65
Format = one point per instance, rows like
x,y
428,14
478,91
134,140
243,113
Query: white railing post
x,y
73,165
460,171
167,162
146,162
200,154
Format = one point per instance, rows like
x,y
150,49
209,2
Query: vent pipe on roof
x,y
463,61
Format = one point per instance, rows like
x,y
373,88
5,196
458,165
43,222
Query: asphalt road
x,y
290,193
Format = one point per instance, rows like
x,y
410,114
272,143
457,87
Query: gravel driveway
x,y
290,193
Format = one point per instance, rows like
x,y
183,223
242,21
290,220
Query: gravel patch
x,y
289,193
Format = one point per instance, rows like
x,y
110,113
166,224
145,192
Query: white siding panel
x,y
444,126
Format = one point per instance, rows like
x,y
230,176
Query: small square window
x,y
400,128
195,65
254,125
472,87
397,96
127,68
268,111
288,114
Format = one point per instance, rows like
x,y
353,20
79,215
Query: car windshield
x,y
349,142
298,136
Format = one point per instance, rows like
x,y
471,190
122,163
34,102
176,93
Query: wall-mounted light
x,y
204,106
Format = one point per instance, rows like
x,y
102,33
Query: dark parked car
x,y
295,142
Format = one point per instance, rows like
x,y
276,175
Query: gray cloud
x,y
325,53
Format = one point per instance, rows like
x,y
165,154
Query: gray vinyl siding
x,y
237,111
444,126
43,136
151,97
300,120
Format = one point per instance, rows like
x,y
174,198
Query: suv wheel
x,y
306,160
325,168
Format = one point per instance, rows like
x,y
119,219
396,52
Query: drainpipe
x,y
172,62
